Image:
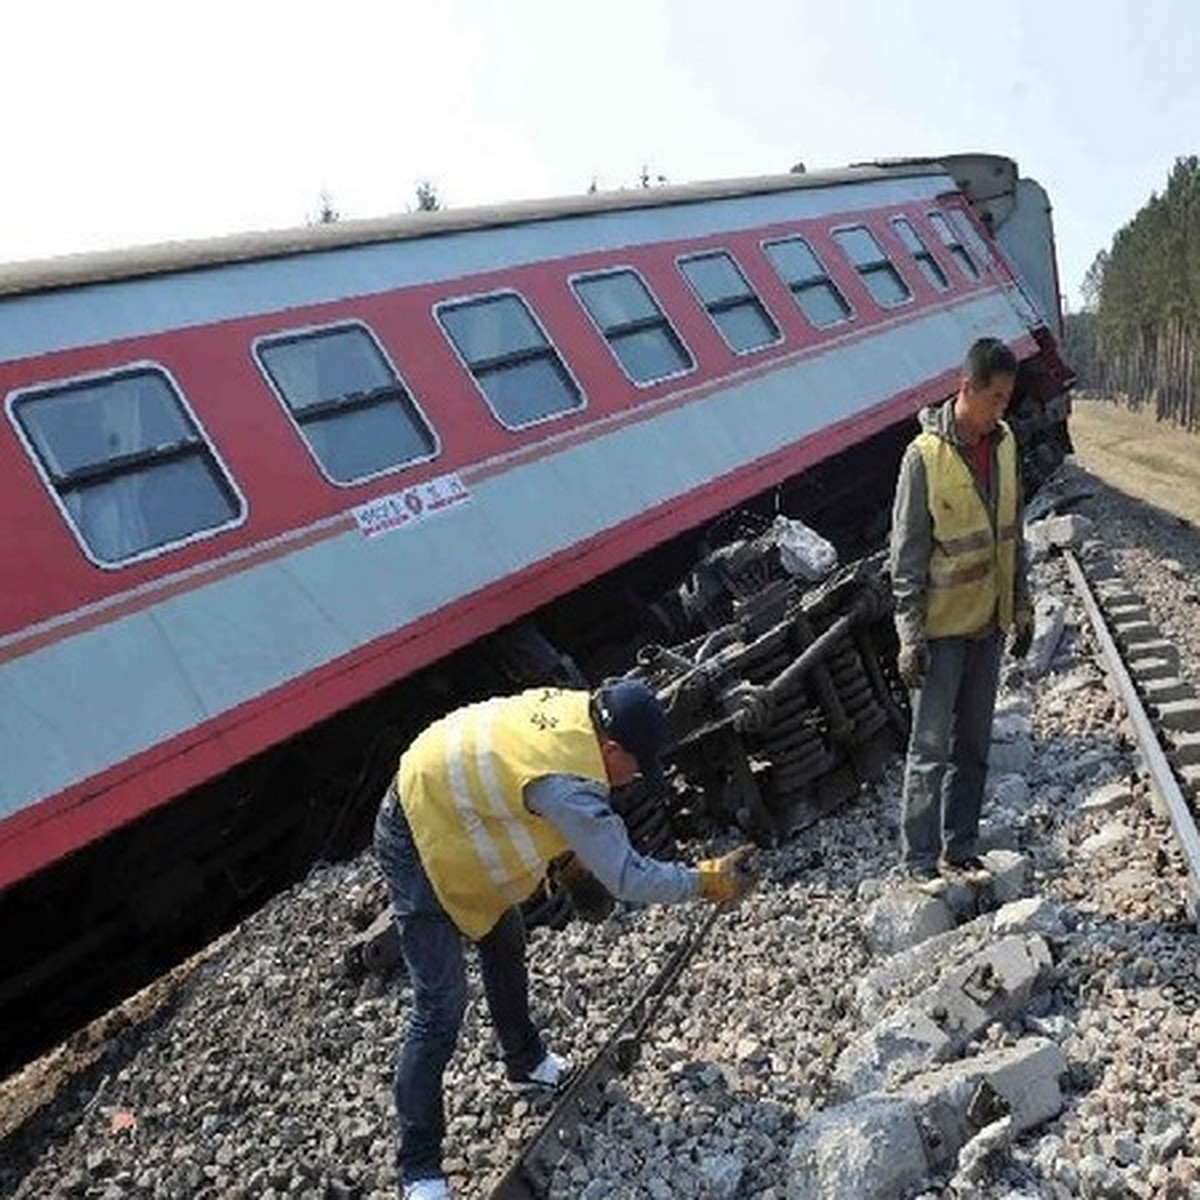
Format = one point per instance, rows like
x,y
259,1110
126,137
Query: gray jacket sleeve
x,y
911,546
580,810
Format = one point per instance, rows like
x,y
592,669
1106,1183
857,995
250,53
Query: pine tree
x,y
1145,292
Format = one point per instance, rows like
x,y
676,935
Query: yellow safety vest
x,y
461,784
973,564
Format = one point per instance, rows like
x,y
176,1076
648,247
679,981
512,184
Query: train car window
x,y
976,247
351,408
924,259
521,374
633,324
870,260
128,462
952,243
816,294
739,315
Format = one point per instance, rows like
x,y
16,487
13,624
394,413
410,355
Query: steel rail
x,y
583,1098
1161,774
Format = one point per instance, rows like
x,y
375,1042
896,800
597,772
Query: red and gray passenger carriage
x,y
251,487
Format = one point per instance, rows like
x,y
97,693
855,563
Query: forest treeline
x,y
1137,339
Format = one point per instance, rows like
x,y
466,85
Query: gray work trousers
x,y
948,749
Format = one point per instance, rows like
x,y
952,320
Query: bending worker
x,y
482,802
959,583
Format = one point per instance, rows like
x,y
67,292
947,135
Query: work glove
x,y
1022,636
590,899
727,878
913,663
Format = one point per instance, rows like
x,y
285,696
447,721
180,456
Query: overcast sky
x,y
132,121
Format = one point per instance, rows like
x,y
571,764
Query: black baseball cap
x,y
630,713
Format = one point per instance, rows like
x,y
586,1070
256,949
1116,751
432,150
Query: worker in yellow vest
x,y
960,585
483,801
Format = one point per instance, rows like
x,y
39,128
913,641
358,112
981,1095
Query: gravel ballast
x,y
269,1072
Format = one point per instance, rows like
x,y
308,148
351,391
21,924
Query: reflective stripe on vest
x,y
972,568
462,782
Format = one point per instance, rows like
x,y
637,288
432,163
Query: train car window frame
x,y
748,298
817,282
348,404
953,244
137,463
497,363
632,327
874,268
920,253
972,240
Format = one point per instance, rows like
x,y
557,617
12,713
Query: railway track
x,y
1161,705
583,1099
719,1043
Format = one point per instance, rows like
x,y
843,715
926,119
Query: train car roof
x,y
101,266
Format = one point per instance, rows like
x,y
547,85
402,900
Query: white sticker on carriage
x,y
412,504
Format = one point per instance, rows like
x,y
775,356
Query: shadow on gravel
x,y
55,1095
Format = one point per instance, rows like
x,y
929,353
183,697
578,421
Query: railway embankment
x,y
839,1034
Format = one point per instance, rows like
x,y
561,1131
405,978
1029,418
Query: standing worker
x,y
483,800
959,581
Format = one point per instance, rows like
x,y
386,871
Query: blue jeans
x,y
948,748
433,953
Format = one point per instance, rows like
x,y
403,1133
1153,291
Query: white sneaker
x,y
548,1075
427,1189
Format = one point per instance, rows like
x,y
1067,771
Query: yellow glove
x,y
727,878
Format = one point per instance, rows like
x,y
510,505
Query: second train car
x,y
250,485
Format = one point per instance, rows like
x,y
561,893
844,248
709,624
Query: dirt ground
x,y
1136,454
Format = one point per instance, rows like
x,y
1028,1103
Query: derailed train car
x,y
271,501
